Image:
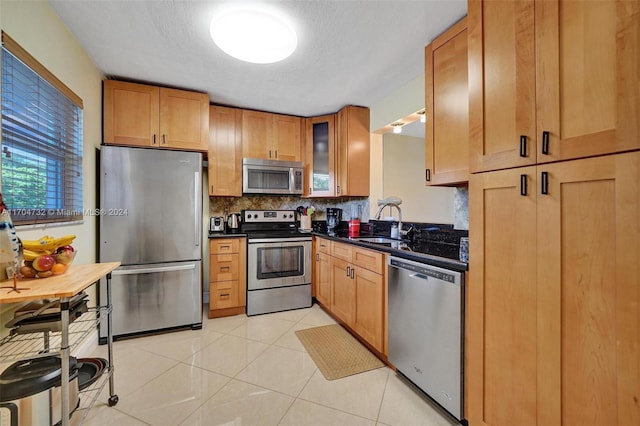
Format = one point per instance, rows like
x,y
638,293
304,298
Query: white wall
x,y
404,101
376,173
397,162
403,176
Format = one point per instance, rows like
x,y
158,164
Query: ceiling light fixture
x,y
397,127
423,116
256,35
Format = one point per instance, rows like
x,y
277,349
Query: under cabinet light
x,y
397,127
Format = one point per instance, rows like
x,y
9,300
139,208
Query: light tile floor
x,y
250,371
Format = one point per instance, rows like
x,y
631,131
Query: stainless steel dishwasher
x,y
426,335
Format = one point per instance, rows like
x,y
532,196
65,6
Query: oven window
x,y
279,262
268,179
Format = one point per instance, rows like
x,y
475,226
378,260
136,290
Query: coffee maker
x,y
333,218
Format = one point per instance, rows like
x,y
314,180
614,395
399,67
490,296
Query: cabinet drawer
x,y
368,259
224,267
224,245
324,246
342,251
223,295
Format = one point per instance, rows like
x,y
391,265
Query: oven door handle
x,y
278,240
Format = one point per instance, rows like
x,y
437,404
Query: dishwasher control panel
x,y
426,270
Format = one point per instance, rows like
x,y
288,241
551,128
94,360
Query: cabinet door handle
x,y
212,189
269,153
154,139
164,139
225,294
276,153
545,142
427,175
317,257
348,271
545,183
310,191
523,185
352,273
224,268
523,145
225,247
338,189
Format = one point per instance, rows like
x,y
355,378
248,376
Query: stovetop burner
x,y
270,224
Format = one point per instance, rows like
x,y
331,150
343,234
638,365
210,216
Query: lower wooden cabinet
x,y
343,291
369,316
554,306
349,281
227,276
322,272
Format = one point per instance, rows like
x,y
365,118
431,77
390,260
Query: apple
x,y
27,272
43,263
65,248
65,257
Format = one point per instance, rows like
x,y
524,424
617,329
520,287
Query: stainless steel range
x,y
278,262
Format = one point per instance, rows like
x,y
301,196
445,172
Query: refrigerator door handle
x,y
153,270
197,208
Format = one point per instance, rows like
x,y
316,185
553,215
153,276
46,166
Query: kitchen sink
x,y
380,240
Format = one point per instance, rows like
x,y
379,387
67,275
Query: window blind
x,y
41,146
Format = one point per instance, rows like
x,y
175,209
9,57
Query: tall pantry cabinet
x,y
554,298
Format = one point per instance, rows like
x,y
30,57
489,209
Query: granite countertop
x,y
227,234
432,252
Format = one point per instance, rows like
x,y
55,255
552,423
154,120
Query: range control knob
x,y
290,215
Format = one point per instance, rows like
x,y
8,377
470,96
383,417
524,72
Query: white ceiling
x,y
349,51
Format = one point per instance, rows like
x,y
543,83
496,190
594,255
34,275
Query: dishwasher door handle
x,y
419,276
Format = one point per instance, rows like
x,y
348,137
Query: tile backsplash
x,y
461,208
218,205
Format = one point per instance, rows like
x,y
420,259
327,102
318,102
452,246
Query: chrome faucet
x,y
386,203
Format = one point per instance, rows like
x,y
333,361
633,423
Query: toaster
x,y
216,224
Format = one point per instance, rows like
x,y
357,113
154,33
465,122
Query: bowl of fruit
x,y
46,257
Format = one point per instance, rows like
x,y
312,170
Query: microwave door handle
x,y
292,180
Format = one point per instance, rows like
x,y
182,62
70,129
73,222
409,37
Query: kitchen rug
x,y
337,353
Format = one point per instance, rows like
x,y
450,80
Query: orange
x,y
59,268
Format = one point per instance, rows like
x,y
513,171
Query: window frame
x,y
65,212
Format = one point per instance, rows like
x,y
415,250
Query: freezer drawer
x,y
154,297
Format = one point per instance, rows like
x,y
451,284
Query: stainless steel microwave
x,y
271,177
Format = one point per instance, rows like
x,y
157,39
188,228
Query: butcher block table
x,y
64,286
72,282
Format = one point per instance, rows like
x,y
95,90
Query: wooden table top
x,y
72,282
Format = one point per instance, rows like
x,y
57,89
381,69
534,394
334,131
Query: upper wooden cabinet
x,y
352,152
271,136
320,156
337,154
149,116
551,80
447,107
225,152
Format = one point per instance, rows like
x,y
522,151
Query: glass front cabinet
x,y
320,156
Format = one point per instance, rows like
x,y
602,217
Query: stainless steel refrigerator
x,y
150,221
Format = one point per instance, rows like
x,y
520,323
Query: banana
x,y
30,255
47,243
